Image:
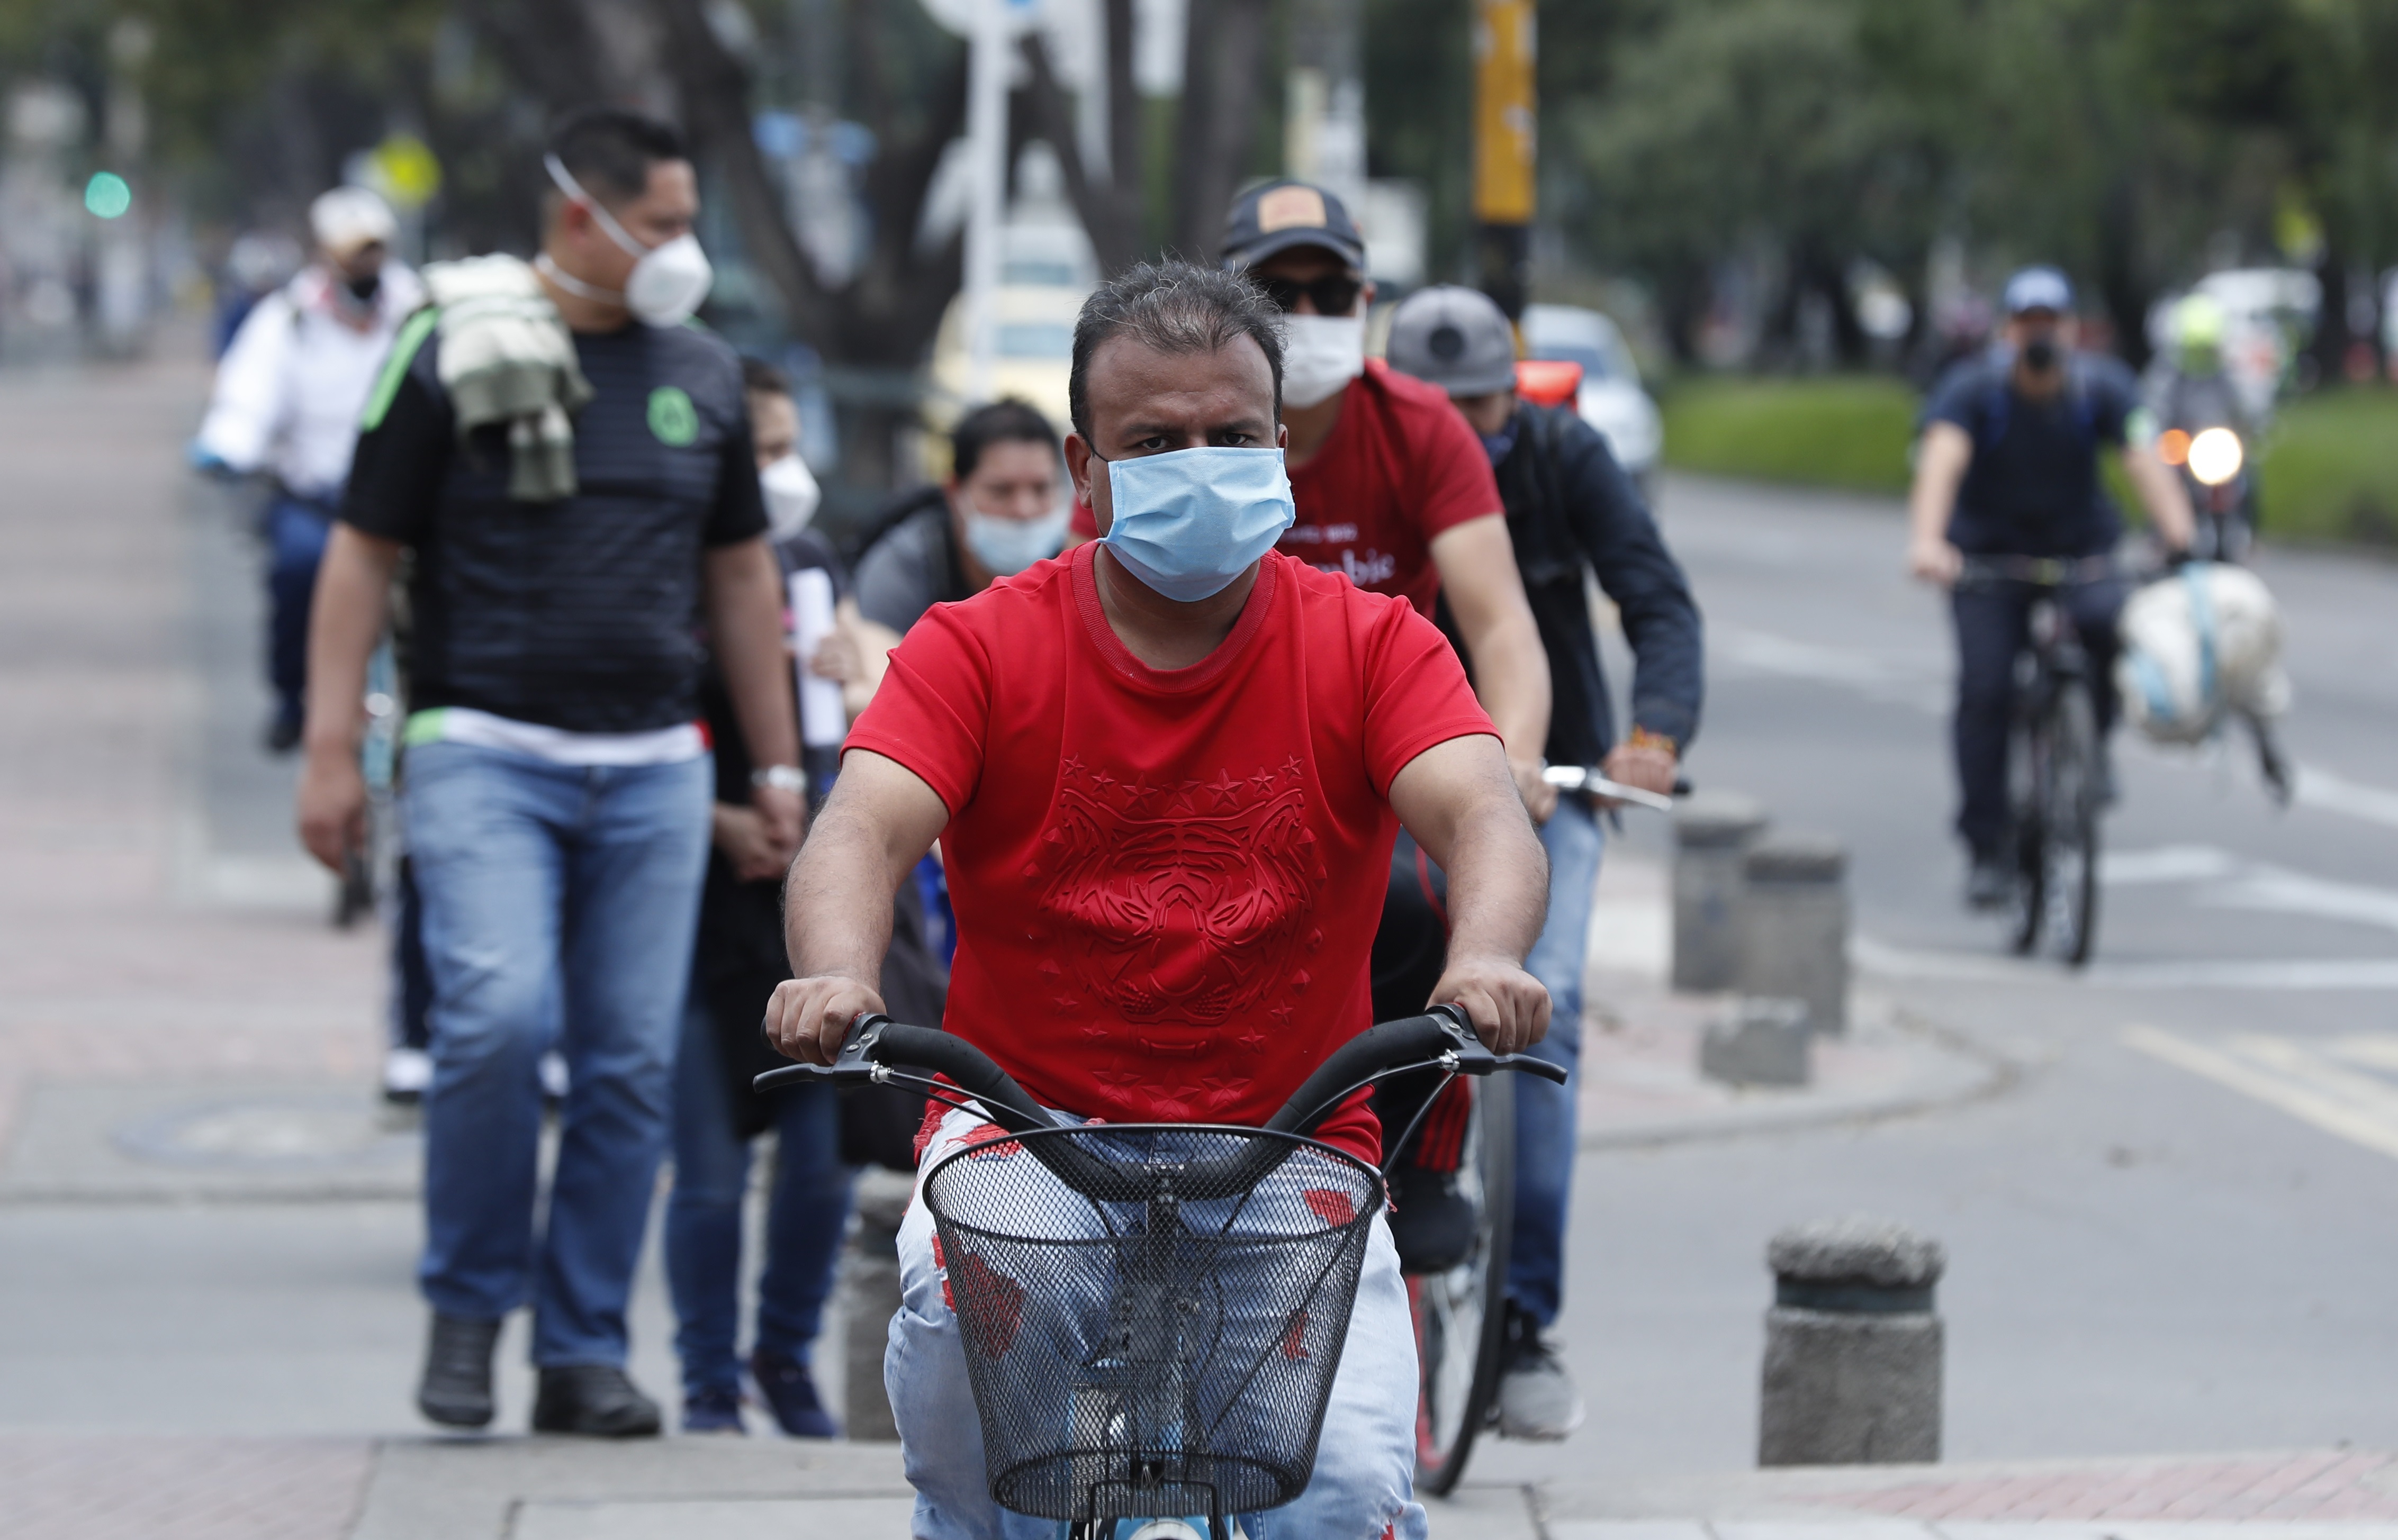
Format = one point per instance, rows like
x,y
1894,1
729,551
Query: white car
x,y
1611,400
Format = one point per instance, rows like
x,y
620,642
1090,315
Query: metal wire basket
x,y
1146,1340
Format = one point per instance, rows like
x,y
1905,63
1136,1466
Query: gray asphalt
x,y
2144,1260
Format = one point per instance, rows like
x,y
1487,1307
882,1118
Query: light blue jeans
x,y
1364,1462
1545,1113
552,893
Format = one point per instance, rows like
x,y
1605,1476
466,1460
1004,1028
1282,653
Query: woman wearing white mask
x,y
1002,508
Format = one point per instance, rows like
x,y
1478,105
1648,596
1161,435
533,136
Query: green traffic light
x,y
107,194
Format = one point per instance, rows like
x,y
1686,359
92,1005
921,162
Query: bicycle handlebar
x,y
1441,1039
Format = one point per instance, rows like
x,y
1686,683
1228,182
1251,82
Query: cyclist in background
x,y
289,394
2008,466
1570,511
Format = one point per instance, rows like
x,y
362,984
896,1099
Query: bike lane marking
x,y
2298,1080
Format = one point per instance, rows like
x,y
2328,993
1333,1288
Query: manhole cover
x,y
267,1133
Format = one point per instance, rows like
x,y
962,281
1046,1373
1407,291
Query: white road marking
x,y
2374,1050
2284,1074
2321,788
1886,960
2166,864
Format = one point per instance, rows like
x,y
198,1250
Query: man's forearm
x,y
346,617
1498,885
744,615
2162,495
1511,674
837,902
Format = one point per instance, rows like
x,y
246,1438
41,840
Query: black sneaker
x,y
1991,883
1537,1399
788,1389
712,1412
594,1400
456,1390
283,730
1433,1224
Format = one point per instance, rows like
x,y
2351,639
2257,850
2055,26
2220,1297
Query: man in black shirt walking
x,y
571,469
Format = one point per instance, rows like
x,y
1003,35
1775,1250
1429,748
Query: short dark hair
x,y
1173,307
610,149
761,378
1003,421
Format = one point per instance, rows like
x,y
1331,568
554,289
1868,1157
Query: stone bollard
x,y
1853,1348
870,1297
1758,1042
1712,832
1794,929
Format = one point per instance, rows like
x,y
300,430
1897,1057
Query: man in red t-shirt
x,y
1393,489
1166,771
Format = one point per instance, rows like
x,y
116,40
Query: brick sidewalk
x,y
102,973
124,1488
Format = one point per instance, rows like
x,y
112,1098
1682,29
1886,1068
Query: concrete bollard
x,y
1794,929
1712,832
870,1297
1758,1042
1853,1348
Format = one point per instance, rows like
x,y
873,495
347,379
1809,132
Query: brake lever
x,y
1525,1064
849,1067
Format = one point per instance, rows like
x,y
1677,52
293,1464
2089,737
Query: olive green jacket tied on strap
x,y
508,358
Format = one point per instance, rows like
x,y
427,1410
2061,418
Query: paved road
x,y
2171,1240
2175,1234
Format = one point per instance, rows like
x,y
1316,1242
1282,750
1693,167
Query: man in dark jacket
x,y
1571,509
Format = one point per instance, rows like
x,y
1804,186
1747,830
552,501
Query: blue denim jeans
x,y
1364,1460
553,894
296,533
1545,1113
804,1216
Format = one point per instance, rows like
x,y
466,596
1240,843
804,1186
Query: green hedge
x,y
2330,471
1849,431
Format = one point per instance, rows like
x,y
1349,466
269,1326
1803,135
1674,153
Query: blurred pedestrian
x,y
572,468
1002,508
287,397
1571,513
739,961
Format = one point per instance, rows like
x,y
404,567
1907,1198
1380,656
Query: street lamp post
x,y
995,25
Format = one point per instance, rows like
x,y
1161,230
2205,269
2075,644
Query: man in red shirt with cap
x,y
1166,771
1392,489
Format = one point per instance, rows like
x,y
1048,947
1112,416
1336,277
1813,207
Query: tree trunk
x,y
2125,291
1221,55
1110,208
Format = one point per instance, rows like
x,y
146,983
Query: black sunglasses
x,y
1334,294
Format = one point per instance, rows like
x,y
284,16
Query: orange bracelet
x,y
1643,739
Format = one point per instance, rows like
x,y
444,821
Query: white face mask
x,y
668,282
1009,545
1320,354
791,496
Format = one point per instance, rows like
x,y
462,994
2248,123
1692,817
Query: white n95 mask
x,y
669,281
791,496
1320,354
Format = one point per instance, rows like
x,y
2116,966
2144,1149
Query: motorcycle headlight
x,y
2216,456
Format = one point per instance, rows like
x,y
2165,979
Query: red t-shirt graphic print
x,y
1168,882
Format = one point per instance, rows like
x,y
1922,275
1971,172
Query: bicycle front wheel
x,y
2070,850
1460,1314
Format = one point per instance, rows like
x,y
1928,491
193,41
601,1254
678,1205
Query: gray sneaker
x,y
1537,1399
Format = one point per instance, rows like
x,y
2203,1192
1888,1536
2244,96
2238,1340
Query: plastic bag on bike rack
x,y
1136,1358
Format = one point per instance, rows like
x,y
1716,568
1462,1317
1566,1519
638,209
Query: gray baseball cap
x,y
1455,338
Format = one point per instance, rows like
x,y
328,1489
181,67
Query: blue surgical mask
x,y
1009,545
1190,521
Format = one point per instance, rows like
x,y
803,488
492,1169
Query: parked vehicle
x,y
1611,398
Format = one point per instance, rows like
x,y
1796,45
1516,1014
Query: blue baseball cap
x,y
2038,289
